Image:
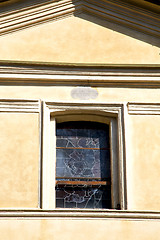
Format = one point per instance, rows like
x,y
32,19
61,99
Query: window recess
x,y
83,178
83,157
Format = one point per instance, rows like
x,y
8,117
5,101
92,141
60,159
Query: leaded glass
x,y
83,196
82,165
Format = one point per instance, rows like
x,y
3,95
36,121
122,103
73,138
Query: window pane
x,y
82,135
83,197
83,163
82,154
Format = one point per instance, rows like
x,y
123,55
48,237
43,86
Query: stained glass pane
x,y
82,135
83,163
82,153
83,197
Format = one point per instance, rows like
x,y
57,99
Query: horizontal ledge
x,y
143,108
69,74
78,213
20,105
73,79
15,63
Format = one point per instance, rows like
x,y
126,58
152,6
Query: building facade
x,y
79,119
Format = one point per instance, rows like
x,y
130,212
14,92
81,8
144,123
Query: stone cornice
x,y
34,15
114,11
143,108
86,75
19,105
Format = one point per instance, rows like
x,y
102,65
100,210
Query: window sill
x,y
78,214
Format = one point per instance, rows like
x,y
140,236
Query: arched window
x,y
83,176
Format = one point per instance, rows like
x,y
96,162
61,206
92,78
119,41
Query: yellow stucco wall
x,y
78,40
21,163
79,229
55,93
143,154
19,160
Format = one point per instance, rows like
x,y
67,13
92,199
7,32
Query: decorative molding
x,y
55,107
55,110
19,105
110,10
124,14
30,16
73,75
143,108
80,214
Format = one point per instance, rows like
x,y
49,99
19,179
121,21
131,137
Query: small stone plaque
x,y
84,93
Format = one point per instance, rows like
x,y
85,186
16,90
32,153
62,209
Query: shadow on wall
x,y
121,29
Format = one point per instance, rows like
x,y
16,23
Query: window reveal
x,y
83,165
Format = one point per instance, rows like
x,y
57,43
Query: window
x,y
83,156
83,178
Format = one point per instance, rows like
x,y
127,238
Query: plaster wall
x,y
78,39
19,165
60,93
143,154
20,153
58,229
82,39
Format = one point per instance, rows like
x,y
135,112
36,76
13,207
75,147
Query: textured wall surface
x,y
78,40
143,161
79,229
19,160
